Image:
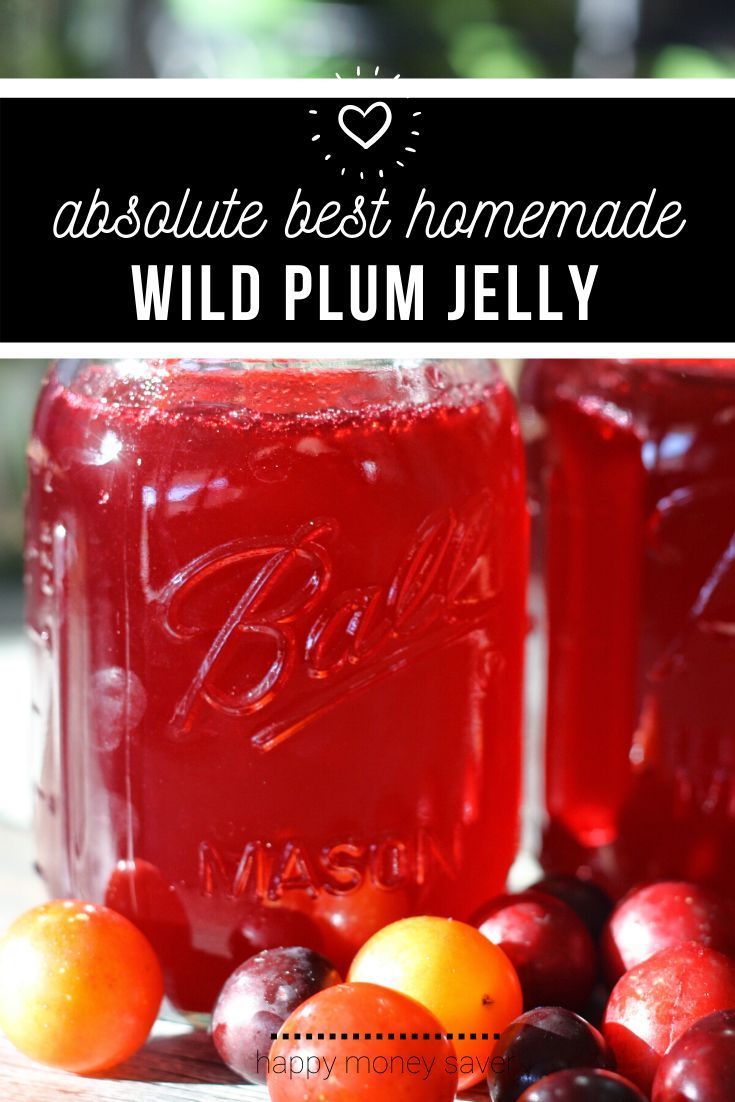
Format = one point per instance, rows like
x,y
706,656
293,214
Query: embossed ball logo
x,y
254,618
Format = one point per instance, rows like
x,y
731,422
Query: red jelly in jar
x,y
277,614
633,464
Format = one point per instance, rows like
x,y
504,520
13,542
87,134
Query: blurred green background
x,y
19,383
418,38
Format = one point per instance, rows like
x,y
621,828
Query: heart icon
x,y
382,108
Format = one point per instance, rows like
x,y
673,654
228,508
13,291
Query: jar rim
x,y
272,387
133,365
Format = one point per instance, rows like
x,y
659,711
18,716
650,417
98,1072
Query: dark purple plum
x,y
540,1042
550,947
588,900
583,1085
256,1000
701,1065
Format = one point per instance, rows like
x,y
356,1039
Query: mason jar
x,y
277,615
632,475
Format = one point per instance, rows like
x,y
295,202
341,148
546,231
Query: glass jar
x,y
277,617
632,467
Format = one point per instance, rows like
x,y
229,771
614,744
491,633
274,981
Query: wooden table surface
x,y
176,1065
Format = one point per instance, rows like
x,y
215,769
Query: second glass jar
x,y
632,468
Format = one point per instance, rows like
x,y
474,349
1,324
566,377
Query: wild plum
x,y
583,1085
549,945
256,1000
701,1065
542,1041
588,900
653,1004
660,915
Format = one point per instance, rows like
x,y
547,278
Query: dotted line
x,y
383,1036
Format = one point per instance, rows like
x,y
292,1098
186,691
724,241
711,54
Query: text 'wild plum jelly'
x,y
633,465
277,616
